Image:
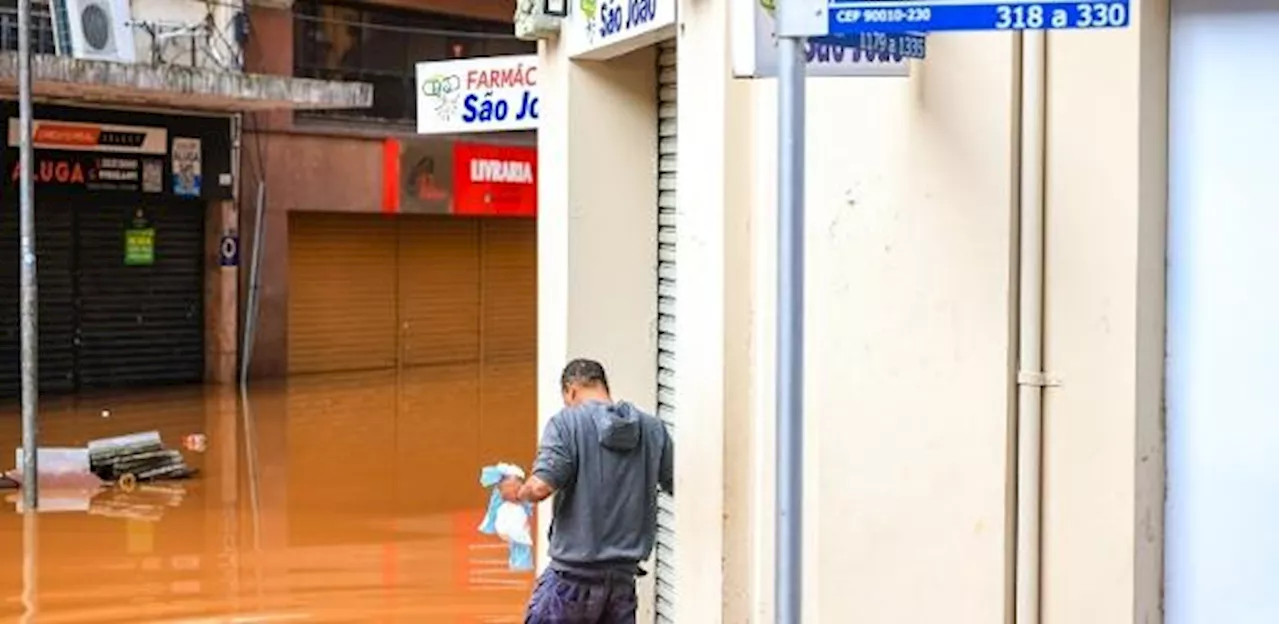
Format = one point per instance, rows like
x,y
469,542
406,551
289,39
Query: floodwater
x,y
333,498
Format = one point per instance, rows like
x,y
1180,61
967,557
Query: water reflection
x,y
335,498
145,501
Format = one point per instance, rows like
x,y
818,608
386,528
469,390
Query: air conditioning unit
x,y
533,23
97,30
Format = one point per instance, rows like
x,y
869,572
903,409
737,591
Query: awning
x,y
60,78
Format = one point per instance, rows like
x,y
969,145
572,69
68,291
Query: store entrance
x,y
120,294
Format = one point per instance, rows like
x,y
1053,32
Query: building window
x,y
41,27
380,46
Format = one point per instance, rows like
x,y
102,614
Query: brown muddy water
x,y
334,498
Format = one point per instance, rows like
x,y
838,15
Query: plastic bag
x,y
508,520
60,468
66,483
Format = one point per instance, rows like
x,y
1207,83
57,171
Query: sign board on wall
x,y
139,240
418,176
126,154
600,29
754,48
435,175
495,180
92,137
94,157
229,250
483,94
846,17
186,167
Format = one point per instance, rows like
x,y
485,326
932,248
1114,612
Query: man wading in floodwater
x,y
604,461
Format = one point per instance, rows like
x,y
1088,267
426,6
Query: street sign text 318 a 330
x,y
847,17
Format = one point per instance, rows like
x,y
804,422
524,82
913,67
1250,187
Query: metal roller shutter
x,y
509,337
438,290
342,293
665,573
510,286
439,299
140,324
55,274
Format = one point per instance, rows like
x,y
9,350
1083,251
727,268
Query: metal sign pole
x,y
27,260
790,345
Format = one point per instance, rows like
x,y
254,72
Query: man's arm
x,y
556,464
666,464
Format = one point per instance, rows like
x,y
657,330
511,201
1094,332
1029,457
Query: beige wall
x,y
910,206
912,306
597,227
1104,308
597,277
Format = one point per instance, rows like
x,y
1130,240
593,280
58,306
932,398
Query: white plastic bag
x,y
59,468
512,524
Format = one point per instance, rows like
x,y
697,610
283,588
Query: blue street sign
x,y
847,17
229,250
885,46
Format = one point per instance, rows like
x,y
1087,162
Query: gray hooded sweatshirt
x,y
606,462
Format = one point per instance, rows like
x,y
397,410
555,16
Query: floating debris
x,y
136,457
196,442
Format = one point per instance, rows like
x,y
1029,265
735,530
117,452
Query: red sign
x,y
417,175
495,180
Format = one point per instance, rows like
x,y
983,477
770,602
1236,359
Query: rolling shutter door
x,y
665,576
342,293
54,272
509,337
140,324
439,292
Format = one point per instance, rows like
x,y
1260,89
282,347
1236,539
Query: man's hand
x,y
535,490
509,489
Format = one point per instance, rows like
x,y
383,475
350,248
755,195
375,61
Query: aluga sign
x,y
478,95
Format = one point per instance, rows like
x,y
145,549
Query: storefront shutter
x,y
509,337
342,293
439,290
140,324
665,574
54,273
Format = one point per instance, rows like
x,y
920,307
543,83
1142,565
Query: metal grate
x,y
665,574
56,254
42,32
140,325
102,323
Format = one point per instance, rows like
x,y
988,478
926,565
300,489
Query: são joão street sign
x,y
848,17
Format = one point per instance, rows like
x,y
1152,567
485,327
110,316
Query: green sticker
x,y
140,247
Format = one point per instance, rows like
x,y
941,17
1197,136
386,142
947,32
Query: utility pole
x,y
27,260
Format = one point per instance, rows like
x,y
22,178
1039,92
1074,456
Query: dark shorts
x,y
572,598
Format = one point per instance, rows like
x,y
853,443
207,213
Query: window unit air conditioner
x,y
96,30
539,19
